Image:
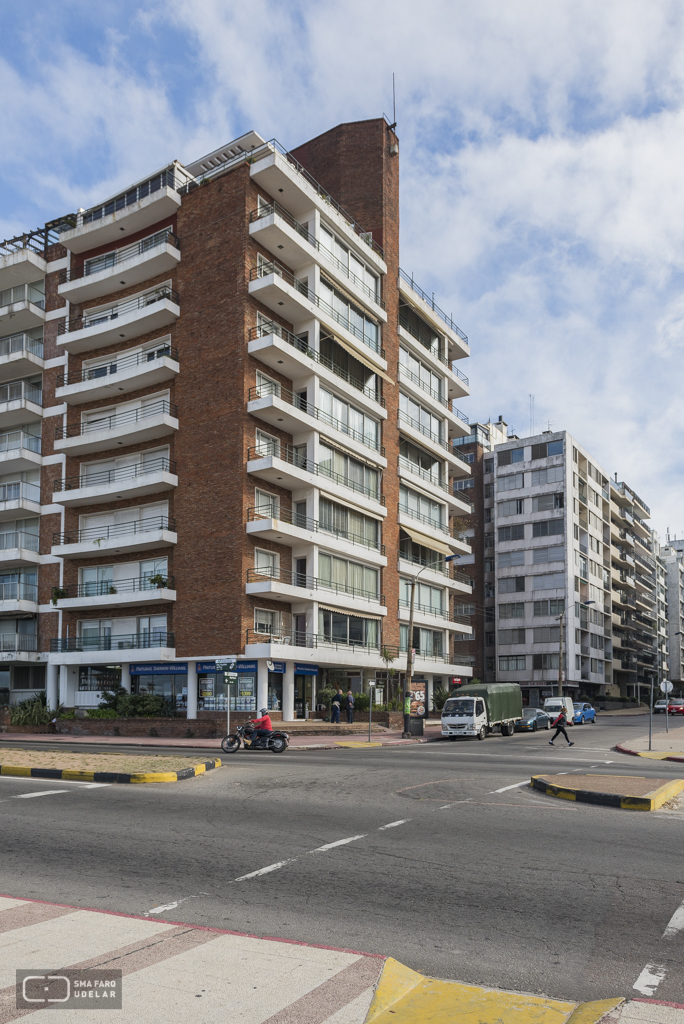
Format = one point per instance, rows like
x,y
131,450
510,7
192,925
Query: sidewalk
x,y
666,746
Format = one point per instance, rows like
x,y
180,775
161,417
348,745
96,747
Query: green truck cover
x,y
502,700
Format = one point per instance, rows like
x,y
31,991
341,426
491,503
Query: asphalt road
x,y
473,880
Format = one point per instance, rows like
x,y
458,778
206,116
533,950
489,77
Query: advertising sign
x,y
163,668
418,696
305,669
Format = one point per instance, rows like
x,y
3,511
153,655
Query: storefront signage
x,y
275,666
306,670
246,666
162,669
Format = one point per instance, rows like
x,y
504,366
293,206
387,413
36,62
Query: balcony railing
x,y
445,568
425,342
300,579
105,642
271,327
423,519
273,267
18,591
117,365
103,588
18,642
161,408
120,530
305,523
22,293
426,432
424,474
270,208
166,179
20,391
18,491
290,454
269,388
112,259
16,439
441,613
296,638
430,301
19,539
115,476
101,316
20,343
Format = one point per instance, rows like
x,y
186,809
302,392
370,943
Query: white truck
x,y
481,709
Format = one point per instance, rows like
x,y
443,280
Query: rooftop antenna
x,y
394,101
531,415
548,424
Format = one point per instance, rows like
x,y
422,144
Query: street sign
x,y
666,686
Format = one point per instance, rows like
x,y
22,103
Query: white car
x,y
659,707
552,706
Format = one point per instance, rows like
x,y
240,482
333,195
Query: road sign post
x,y
667,687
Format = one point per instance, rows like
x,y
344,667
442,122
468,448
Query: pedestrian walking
x,y
560,728
336,706
350,707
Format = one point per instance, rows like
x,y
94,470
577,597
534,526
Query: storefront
x,y
305,686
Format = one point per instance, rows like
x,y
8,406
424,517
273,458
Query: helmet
x,y
264,711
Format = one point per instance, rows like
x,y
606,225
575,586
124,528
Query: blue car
x,y
584,713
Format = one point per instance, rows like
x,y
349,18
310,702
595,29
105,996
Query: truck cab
x,y
464,716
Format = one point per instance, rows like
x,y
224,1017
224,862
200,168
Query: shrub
x,y
32,711
325,696
361,701
137,705
102,713
68,713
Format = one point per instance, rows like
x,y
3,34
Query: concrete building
x,y
227,421
672,553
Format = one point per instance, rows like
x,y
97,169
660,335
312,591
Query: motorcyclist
x,y
263,726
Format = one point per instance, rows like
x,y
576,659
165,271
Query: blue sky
x,y
542,148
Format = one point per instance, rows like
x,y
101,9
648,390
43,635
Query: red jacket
x,y
263,723
560,721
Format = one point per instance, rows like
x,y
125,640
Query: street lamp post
x,y
409,647
560,653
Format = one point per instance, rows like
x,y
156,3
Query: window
x,y
347,629
594,545
489,465
512,663
489,490
349,315
582,564
508,558
596,641
549,581
428,642
418,506
345,522
511,636
152,568
551,475
548,502
265,621
28,677
349,577
266,385
348,419
548,555
266,563
348,471
554,606
489,565
547,449
512,482
512,585
510,456
489,540
152,630
546,662
512,611
489,640
489,589
549,528
426,599
420,418
578,663
267,504
511,508
97,580
421,374
546,634
516,532
267,444
488,515
596,666
347,261
463,485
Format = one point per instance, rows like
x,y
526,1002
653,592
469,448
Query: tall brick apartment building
x,y
226,430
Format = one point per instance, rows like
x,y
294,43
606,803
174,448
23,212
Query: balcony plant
x,y
58,593
158,580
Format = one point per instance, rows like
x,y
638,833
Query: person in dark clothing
x,y
350,707
560,728
336,706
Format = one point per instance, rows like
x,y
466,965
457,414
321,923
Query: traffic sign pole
x,y
666,686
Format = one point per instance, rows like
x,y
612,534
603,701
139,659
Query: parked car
x,y
552,706
584,713
659,707
532,720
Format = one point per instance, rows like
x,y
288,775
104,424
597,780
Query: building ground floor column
x,y
288,692
192,690
262,684
126,677
52,686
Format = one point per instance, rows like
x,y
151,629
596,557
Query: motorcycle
x,y
247,736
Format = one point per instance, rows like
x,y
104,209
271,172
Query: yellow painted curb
x,y
657,755
589,1013
355,743
650,802
76,775
8,769
665,793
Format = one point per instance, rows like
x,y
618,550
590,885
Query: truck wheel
x,y
482,733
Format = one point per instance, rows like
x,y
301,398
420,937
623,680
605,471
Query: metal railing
x,y
273,267
445,569
425,342
300,579
166,179
101,316
114,258
290,454
161,408
275,208
100,533
297,638
103,588
424,519
22,293
442,613
17,439
305,523
415,379
105,642
426,432
273,388
115,476
116,365
20,391
18,491
18,642
271,327
430,301
404,463
19,539
18,591
13,343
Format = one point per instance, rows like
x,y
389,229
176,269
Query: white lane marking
x,y
445,807
393,824
172,906
515,785
44,792
676,923
62,782
649,979
340,842
264,871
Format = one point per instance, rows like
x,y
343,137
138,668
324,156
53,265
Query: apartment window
x,y
419,554
349,577
153,567
551,475
153,629
91,630
549,528
511,636
512,482
549,581
427,598
489,565
488,517
350,472
578,663
489,662
345,522
466,609
420,418
575,455
547,449
347,261
489,465
266,385
512,585
420,507
267,444
516,532
512,611
508,558
546,634
596,641
489,640
462,485
350,315
29,677
489,540
548,555
546,662
489,589
265,621
512,663
554,606
594,545
97,580
548,502
348,419
582,564
511,508
267,504
266,563
428,642
421,374
594,666
347,629
489,614
489,490
510,456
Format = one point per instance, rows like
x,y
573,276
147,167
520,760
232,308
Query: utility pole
x,y
560,654
409,649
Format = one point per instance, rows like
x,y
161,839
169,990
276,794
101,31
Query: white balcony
x,y
289,587
19,452
454,580
20,356
458,385
417,477
18,548
293,530
432,534
130,318
21,267
141,535
117,594
123,373
20,403
440,322
21,315
18,599
456,423
121,268
112,650
19,500
110,431
423,616
100,487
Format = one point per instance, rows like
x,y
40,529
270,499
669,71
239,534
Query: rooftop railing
x,y
117,364
20,391
430,301
293,456
306,523
166,179
110,260
14,343
106,642
102,477
100,316
95,534
37,241
300,579
111,422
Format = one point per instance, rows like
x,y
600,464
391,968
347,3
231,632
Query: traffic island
x,y
629,792
665,746
96,767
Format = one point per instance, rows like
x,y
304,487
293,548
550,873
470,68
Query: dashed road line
x,y
339,842
504,789
44,792
649,979
393,824
265,871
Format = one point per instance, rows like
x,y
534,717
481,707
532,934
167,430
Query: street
x,y
437,854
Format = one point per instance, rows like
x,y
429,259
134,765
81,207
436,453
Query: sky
x,y
541,148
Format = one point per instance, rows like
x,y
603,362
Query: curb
x,y
627,803
74,775
404,996
653,755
